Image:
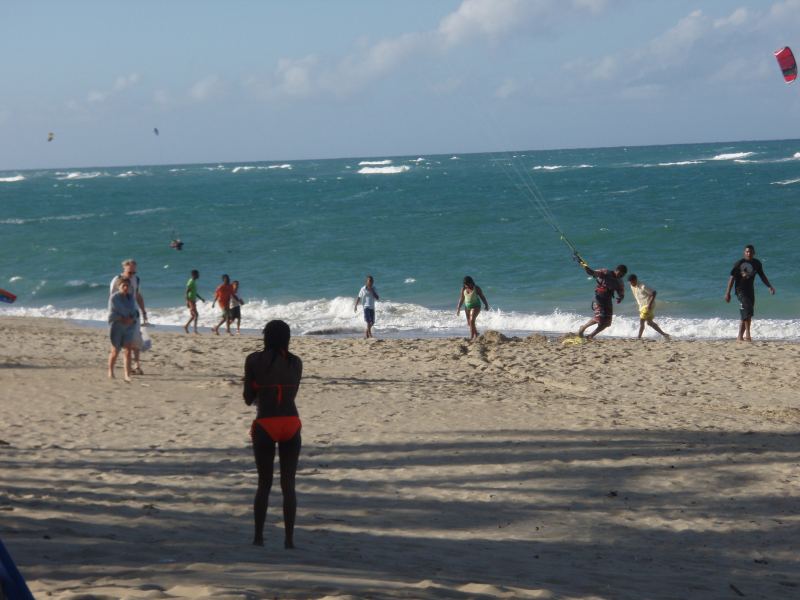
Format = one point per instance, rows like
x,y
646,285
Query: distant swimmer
x,y
646,299
471,297
368,294
743,274
271,381
608,284
176,244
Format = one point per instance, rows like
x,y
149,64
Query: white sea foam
x,y
12,179
559,167
131,174
785,182
410,280
283,166
80,175
384,170
417,160
732,156
680,163
375,163
14,278
455,158
145,211
335,316
50,218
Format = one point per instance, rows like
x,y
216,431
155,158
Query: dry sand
x,y
433,468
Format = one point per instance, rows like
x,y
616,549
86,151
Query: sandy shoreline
x,y
431,468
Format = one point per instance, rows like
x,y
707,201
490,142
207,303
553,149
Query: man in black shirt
x,y
743,275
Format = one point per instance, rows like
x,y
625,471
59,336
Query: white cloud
x,y
738,18
206,88
122,83
508,88
473,21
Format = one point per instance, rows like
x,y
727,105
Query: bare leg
x,y
127,363
472,317
747,337
741,331
585,326
656,327
264,452
641,328
289,453
600,327
112,360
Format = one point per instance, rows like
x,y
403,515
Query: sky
x,y
247,80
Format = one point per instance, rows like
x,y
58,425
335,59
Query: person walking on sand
x,y
122,326
646,299
471,297
743,274
608,283
222,295
271,381
129,271
191,300
236,304
368,295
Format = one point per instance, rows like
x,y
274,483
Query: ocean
x,y
301,236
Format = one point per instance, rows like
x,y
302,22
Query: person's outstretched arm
x,y
460,301
482,297
765,280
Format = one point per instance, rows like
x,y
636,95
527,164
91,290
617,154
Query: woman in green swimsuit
x,y
471,296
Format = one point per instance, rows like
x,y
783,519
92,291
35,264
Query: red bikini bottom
x,y
280,429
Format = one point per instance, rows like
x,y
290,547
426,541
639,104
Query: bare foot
x,y
127,378
111,374
186,329
215,331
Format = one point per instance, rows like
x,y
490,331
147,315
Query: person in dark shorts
x,y
608,284
368,295
271,380
222,295
743,275
235,313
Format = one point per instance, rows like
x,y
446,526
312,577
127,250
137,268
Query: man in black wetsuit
x,y
743,275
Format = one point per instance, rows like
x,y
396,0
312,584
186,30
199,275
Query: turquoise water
x,y
301,236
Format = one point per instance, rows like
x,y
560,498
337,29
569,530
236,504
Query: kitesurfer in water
x,y
176,244
608,284
743,274
271,380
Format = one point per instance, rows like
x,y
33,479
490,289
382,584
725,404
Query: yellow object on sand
x,y
573,341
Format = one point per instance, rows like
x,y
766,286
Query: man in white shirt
x,y
368,295
129,271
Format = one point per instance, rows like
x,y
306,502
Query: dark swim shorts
x,y
235,313
747,305
369,315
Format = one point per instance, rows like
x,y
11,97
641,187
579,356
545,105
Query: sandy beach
x,y
432,468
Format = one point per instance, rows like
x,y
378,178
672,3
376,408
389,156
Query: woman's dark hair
x,y
276,336
469,281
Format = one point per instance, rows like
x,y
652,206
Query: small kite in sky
x,y
787,64
50,136
155,130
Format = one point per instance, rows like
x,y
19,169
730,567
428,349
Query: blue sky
x,y
263,80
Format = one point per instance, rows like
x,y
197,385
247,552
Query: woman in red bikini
x,y
271,380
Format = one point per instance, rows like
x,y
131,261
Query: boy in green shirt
x,y
191,300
